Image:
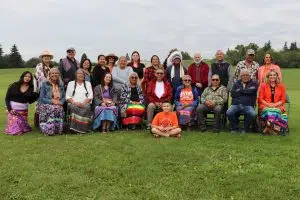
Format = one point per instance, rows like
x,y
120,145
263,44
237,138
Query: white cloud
x,y
149,26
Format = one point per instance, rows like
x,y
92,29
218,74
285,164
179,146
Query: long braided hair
x,y
75,83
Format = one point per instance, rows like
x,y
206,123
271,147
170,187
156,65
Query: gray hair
x,y
244,71
133,74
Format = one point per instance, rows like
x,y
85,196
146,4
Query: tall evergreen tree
x,y
127,57
84,56
285,46
15,58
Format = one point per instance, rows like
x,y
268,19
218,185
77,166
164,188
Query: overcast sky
x,y
149,26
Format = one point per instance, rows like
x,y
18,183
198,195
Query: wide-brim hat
x,y
111,55
46,53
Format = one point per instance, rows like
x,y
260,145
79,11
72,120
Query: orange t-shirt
x,y
186,96
165,119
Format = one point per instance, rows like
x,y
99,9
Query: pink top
x,y
263,71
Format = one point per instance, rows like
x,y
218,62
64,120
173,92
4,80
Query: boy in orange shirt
x,y
165,123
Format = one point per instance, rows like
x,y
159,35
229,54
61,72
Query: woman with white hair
x,y
132,102
52,99
79,96
186,101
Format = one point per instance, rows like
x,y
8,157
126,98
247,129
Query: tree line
x,y
287,57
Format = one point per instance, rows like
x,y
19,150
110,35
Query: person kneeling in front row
x,y
243,95
165,123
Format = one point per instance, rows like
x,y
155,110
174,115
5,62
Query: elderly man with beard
x,y
243,94
199,73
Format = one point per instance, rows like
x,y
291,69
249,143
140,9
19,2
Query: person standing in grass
x,y
52,99
199,73
106,101
99,71
248,64
79,96
223,69
243,93
267,67
213,99
165,123
186,101
18,96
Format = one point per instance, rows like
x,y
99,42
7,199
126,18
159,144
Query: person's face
x,y
54,75
273,77
159,74
155,61
101,61
215,81
268,59
186,81
197,58
46,59
166,107
176,61
111,60
133,80
27,78
122,62
135,57
80,76
250,58
245,77
86,65
107,79
220,56
71,54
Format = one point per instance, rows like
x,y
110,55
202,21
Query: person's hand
x,y
103,104
168,128
207,103
56,102
13,112
198,85
272,105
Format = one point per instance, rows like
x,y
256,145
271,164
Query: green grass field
x,y
133,165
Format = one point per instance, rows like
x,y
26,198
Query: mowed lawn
x,y
133,165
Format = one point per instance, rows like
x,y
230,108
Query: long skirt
x,y
80,118
51,118
134,114
277,120
17,124
103,113
185,114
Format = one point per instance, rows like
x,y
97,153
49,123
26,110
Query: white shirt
x,y
159,89
80,92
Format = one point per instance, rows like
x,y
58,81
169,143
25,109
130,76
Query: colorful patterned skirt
x,y
51,118
80,119
17,124
103,113
185,115
134,114
278,121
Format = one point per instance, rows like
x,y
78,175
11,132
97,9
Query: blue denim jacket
x,y
46,93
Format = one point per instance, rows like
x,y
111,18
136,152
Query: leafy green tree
x,y
32,62
186,55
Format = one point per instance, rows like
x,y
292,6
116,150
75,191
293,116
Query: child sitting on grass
x,y
165,123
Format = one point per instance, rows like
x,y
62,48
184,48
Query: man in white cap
x,y
68,66
175,72
248,64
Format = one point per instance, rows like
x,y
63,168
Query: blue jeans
x,y
234,112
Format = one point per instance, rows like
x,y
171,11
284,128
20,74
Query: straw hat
x,y
46,53
111,55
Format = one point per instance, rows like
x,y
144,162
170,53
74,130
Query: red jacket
x,y
204,68
265,94
151,96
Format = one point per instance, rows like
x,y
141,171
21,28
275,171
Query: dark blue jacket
x,y
195,95
245,96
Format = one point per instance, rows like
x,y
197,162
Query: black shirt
x,y
139,70
14,94
98,74
134,96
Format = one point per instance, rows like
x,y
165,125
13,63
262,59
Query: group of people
x,y
115,93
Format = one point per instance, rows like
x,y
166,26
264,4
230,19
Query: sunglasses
x,y
187,80
70,51
159,73
134,77
215,79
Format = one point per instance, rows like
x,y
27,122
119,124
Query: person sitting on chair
x,y
158,91
213,99
165,123
243,94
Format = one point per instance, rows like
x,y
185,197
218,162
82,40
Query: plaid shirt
x,y
253,68
219,96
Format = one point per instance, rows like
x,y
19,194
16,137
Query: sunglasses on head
x,y
215,79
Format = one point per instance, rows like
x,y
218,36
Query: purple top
x,y
106,94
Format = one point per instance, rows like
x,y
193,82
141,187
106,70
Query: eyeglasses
x,y
70,51
187,80
245,75
215,79
134,77
159,73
